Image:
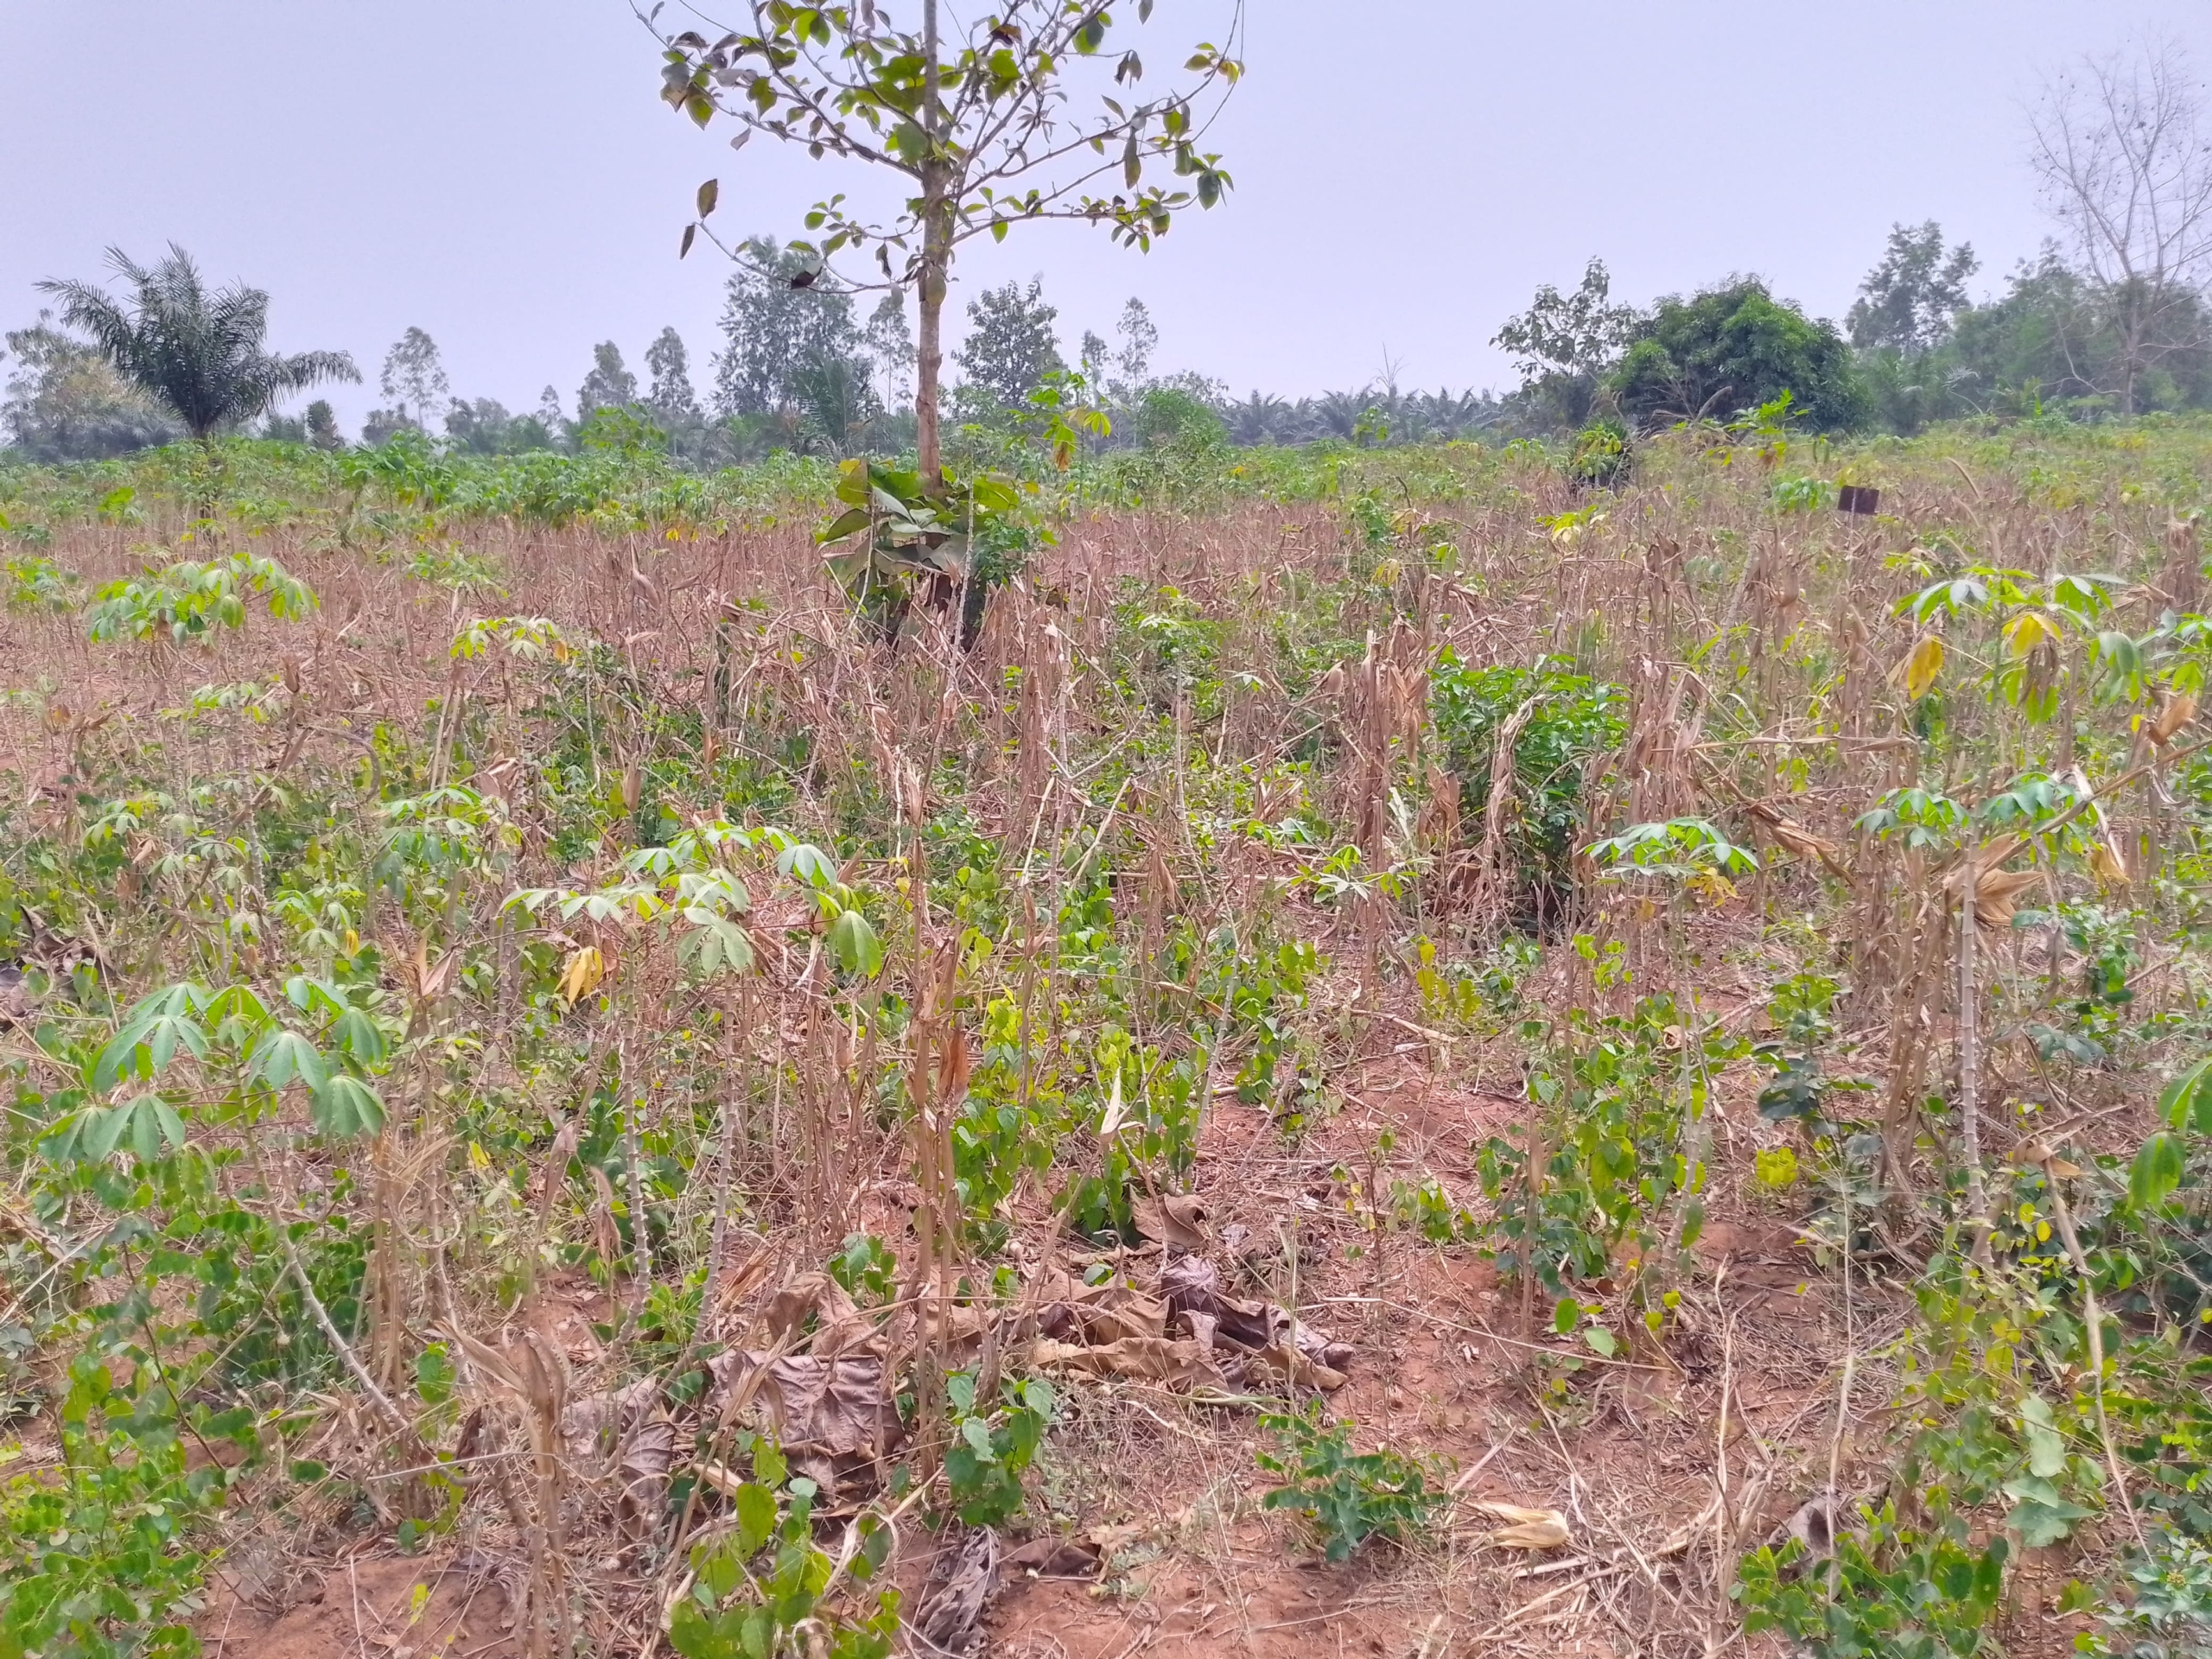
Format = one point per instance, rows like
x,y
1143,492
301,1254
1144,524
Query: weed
x,y
993,1446
1348,1497
1888,1590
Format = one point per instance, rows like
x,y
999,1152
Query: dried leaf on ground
x,y
1150,1359
1178,1220
1192,1288
1070,1310
949,1614
835,1418
1056,1558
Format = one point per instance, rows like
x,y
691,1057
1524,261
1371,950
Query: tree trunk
x,y
937,255
929,360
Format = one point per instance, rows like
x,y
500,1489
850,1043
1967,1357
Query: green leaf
x,y
1601,1339
857,948
1565,1315
2156,1173
346,1106
359,1035
756,1516
434,1375
281,1057
2187,1101
809,864
2042,1515
97,1140
2046,1451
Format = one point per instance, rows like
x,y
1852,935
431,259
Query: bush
x,y
1348,1498
1889,1591
96,1559
1572,717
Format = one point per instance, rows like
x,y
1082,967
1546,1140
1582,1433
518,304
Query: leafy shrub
x,y
1570,719
993,1447
866,1267
96,1559
185,599
760,1588
1619,1094
1600,455
1349,1497
37,583
2169,1613
1889,1591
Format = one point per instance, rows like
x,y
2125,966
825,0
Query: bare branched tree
x,y
2121,147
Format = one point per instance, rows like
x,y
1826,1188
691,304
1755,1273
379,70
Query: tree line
x,y
2109,317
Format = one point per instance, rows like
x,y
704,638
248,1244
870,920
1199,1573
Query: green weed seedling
x,y
1887,1591
766,1585
993,1447
1348,1497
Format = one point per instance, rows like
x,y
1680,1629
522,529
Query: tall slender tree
x,y
198,353
414,378
609,385
670,397
1010,120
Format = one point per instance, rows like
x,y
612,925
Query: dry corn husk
x,y
1524,1529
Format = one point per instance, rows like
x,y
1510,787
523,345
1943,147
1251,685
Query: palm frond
x,y
201,353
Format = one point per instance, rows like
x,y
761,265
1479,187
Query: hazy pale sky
x,y
1408,171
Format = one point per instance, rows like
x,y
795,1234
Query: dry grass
x,y
1758,652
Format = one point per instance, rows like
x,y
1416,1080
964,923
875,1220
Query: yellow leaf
x,y
585,969
1714,887
2027,631
2105,860
1923,666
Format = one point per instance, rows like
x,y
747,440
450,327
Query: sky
x,y
501,173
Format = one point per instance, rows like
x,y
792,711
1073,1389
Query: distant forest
x,y
2109,319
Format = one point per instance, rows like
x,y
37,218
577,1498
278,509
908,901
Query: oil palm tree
x,y
199,353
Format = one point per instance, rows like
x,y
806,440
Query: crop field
x,y
1365,1051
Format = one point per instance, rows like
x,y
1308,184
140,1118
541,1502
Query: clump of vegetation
x,y
1347,1496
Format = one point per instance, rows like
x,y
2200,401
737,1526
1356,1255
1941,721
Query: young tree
x,y
199,354
776,330
670,397
985,130
1010,346
1564,343
890,343
609,384
2122,151
322,425
414,378
1579,333
1140,339
549,411
1908,301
